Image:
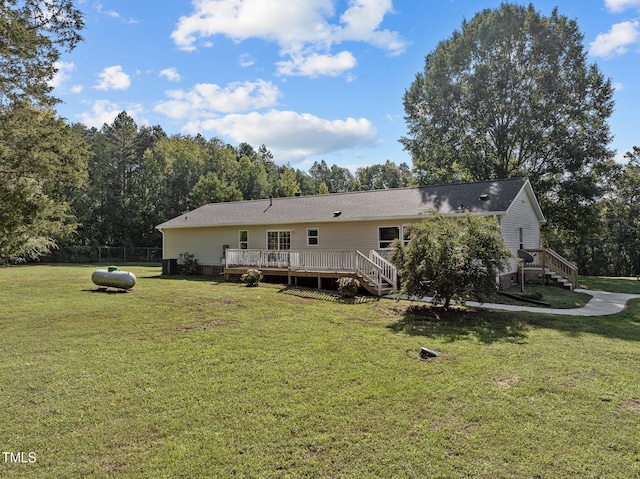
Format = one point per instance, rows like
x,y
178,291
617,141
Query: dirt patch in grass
x,y
633,404
198,327
507,383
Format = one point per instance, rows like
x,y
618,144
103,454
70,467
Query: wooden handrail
x,y
388,270
547,259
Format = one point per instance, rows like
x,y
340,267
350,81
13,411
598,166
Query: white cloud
x,y
246,60
361,20
110,13
206,99
300,28
171,74
103,111
63,73
113,78
617,40
621,5
291,136
316,64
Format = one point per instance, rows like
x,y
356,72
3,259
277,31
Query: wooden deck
x,y
375,273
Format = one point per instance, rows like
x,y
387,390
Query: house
x,y
333,235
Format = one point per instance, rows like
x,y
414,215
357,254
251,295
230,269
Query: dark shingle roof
x,y
358,206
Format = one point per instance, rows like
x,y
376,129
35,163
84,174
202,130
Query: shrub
x,y
189,263
348,287
252,277
448,257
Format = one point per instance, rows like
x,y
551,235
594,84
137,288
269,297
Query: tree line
x,y
138,177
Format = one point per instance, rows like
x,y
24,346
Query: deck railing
x,y
374,269
322,260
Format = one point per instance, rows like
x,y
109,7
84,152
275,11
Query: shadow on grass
x,y
491,326
107,290
457,324
184,277
325,295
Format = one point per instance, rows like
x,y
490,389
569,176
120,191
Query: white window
x,y
243,239
313,237
279,239
387,235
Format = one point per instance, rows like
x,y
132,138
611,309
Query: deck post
x,y
319,282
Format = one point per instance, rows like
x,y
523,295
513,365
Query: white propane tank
x,y
113,278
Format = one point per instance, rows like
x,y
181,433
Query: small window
x,y
313,237
521,238
243,239
387,235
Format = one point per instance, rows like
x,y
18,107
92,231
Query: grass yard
x,y
194,378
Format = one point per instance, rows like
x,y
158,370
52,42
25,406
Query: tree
x,y
511,94
41,163
288,185
378,177
209,189
451,258
336,179
41,159
620,241
32,33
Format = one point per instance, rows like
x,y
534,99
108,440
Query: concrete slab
x,y
602,303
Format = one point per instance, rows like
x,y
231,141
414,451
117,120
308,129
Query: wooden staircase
x,y
552,267
376,274
557,279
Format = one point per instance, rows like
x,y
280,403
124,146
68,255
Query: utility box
x,y
170,267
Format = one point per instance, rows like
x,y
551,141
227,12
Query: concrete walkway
x,y
602,303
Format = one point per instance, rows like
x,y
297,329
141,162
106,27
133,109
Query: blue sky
x,y
310,79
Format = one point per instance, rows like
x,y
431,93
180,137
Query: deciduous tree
x,y
511,94
41,160
451,258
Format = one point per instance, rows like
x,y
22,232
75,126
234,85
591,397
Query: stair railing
x,y
388,270
369,271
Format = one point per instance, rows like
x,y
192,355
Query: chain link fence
x,y
104,254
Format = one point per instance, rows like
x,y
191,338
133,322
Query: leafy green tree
x,y
511,94
451,258
323,189
307,185
41,159
335,178
289,185
33,32
620,241
209,189
388,175
41,163
251,179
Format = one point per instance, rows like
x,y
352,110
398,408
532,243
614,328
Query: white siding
x,y
521,214
207,243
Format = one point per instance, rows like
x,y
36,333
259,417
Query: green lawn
x,y
194,378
